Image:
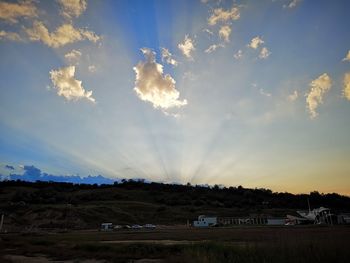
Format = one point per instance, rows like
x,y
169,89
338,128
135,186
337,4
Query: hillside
x,y
29,205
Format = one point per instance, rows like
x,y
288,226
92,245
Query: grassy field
x,y
179,244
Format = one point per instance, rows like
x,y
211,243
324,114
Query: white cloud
x,y
10,36
256,42
293,96
264,53
208,31
318,88
292,4
92,68
238,54
224,33
212,48
72,8
346,81
67,86
221,15
11,12
168,57
63,35
152,86
187,47
73,56
264,93
347,57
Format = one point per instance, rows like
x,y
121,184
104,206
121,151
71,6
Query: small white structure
x,y
106,227
205,221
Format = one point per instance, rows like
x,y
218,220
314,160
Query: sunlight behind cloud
x,y
152,86
199,66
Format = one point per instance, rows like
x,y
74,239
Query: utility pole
x,y
308,203
1,221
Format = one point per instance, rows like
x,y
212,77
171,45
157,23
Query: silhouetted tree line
x,y
166,195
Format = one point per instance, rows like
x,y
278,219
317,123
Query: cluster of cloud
x,y
168,57
293,96
72,8
9,167
264,53
213,47
321,85
264,93
224,33
238,54
12,12
63,79
187,47
92,68
65,34
257,42
73,56
225,17
318,88
346,82
67,86
33,174
152,86
347,57
292,4
221,15
12,36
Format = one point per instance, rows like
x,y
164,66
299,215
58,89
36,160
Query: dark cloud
x,y
33,174
10,167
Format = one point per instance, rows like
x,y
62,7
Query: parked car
x,y
117,227
149,226
136,227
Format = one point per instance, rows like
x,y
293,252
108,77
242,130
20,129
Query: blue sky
x,y
252,93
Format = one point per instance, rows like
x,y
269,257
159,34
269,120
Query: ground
x,y
182,244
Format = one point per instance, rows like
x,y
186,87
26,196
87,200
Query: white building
x,y
106,227
205,221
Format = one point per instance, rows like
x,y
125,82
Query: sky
x,y
251,93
